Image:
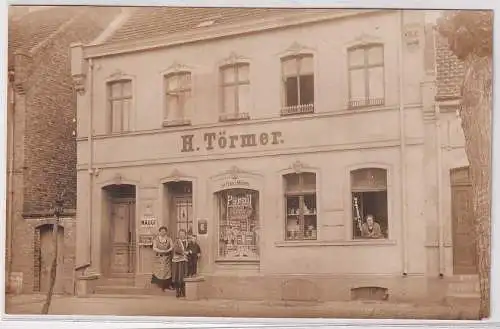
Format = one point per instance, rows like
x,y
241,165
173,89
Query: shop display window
x,y
300,207
369,199
238,224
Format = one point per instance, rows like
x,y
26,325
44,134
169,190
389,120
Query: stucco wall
x,y
263,51
339,254
330,142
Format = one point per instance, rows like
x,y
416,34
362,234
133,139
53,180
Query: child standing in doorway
x,y
194,252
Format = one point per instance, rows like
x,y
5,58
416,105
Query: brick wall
x,y
450,70
45,148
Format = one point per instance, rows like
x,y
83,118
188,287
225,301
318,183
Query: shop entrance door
x,y
180,207
122,237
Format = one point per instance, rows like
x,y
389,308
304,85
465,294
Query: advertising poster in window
x,y
238,226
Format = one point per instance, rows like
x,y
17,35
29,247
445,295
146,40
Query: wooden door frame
x,y
132,230
458,180
169,206
38,254
172,212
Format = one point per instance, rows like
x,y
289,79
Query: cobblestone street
x,y
138,305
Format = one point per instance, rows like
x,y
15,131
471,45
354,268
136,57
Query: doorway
x,y
178,209
46,254
463,229
118,243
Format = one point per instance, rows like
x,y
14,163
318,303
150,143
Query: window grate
x,y
297,109
366,102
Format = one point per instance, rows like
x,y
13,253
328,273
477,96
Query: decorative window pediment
x,y
234,58
363,40
296,49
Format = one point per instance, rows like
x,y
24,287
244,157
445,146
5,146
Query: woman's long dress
x,y
179,263
162,267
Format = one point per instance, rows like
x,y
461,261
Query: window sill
x,y
234,117
237,261
176,123
319,243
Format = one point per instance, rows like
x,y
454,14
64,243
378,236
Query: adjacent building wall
x,y
44,141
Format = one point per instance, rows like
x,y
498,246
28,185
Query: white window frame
x,y
301,193
237,114
353,190
368,101
179,91
299,108
111,98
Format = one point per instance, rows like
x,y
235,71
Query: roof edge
x,y
228,30
54,34
119,20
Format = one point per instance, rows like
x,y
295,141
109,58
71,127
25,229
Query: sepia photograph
x,y
249,162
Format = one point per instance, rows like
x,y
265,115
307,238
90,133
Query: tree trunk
x,y
476,123
53,270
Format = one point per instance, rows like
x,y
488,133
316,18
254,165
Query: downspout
x,y
439,157
402,140
11,172
91,156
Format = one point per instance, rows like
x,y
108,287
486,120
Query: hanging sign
x,y
202,226
148,221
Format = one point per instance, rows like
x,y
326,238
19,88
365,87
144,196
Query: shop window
x,y
178,99
300,206
366,76
119,105
369,203
238,224
298,84
235,91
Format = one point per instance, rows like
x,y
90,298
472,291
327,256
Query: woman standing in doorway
x,y
179,264
162,270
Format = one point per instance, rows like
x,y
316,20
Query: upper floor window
x,y
298,84
120,104
366,76
300,206
369,203
178,98
235,89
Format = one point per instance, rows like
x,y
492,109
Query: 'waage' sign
x,y
223,141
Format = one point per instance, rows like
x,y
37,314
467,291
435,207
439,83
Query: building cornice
x,y
276,119
218,32
287,151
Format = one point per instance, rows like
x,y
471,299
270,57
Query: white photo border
x,y
66,322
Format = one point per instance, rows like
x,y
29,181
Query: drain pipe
x,y
402,137
91,156
439,158
11,156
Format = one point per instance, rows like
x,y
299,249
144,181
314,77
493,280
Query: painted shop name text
x,y
221,141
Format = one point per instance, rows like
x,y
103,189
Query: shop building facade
x,y
270,136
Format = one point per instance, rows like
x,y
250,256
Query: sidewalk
x,y
139,305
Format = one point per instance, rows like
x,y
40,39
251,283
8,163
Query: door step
x,y
469,300
463,285
463,290
130,290
117,281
